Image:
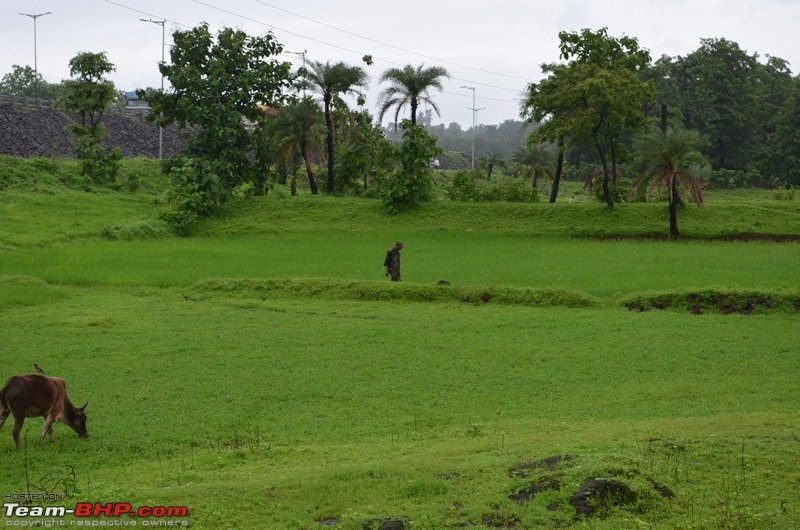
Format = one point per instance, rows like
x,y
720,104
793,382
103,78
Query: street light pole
x,y
474,122
35,53
163,43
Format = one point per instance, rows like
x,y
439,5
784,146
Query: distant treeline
x,y
747,107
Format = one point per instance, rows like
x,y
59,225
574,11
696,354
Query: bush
x,y
138,229
412,182
732,179
462,186
469,186
509,189
186,198
619,192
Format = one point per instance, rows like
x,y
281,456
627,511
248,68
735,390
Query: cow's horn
x,y
84,405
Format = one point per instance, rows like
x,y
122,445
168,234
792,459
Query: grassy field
x,y
264,374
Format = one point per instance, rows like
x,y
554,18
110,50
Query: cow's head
x,y
78,421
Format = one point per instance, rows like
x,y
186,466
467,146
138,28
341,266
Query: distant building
x,y
135,106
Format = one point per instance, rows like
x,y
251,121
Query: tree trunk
x,y
312,183
329,145
559,169
674,233
606,190
614,166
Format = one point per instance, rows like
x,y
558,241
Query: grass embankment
x,y
337,397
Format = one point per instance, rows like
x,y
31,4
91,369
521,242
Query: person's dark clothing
x,y
392,262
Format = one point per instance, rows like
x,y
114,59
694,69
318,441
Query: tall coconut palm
x,y
409,86
330,81
670,160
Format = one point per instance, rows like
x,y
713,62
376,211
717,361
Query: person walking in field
x,y
391,265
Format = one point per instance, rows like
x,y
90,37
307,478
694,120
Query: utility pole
x,y
474,122
163,36
303,55
35,53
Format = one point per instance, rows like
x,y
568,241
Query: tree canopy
x,y
409,86
218,86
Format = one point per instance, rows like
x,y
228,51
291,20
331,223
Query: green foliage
x,y
409,86
193,192
732,179
716,301
330,81
670,160
296,131
463,186
595,99
89,95
719,91
138,229
94,162
784,146
379,290
411,182
363,155
217,84
619,192
23,81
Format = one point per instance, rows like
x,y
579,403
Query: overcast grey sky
x,y
495,46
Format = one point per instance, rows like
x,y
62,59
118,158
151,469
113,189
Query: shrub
x,y
411,183
138,229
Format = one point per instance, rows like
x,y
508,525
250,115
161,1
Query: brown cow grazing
x,y
29,396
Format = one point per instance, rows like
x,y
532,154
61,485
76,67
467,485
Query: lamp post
x,y
163,35
474,122
35,53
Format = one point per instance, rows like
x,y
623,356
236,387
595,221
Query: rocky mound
x,y
41,132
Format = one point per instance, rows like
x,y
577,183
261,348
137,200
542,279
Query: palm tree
x,y
670,160
330,81
296,128
489,162
533,161
409,86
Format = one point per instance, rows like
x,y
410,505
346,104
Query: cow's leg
x,y
48,428
19,419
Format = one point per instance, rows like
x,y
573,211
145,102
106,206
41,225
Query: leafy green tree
x,y
362,153
595,98
297,129
24,81
88,95
411,182
410,86
720,94
330,81
670,160
219,86
784,143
